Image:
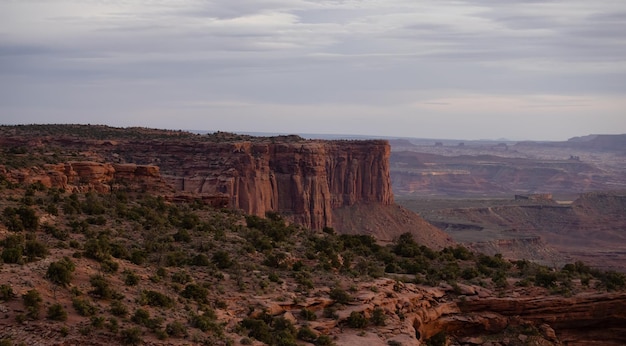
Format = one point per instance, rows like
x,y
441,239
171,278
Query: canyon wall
x,y
82,176
304,180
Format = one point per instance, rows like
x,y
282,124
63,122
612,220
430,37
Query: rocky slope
x,y
589,229
308,181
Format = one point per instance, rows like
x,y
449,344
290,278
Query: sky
x,y
484,69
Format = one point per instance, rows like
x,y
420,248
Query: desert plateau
x,y
140,236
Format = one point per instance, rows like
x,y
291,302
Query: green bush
x,y
60,272
32,302
109,266
207,323
378,317
307,334
6,292
12,255
308,315
34,249
324,340
181,277
613,280
545,278
222,259
118,308
176,329
131,278
195,292
340,296
154,298
84,307
131,336
357,320
101,287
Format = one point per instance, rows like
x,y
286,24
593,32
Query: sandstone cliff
x,y
305,180
81,176
302,179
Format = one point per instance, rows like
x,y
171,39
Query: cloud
x,y
68,57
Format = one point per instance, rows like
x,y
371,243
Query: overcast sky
x,y
543,70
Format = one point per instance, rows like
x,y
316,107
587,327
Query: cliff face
x,y
306,180
87,175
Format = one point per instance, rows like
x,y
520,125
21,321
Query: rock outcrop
x,y
91,176
305,180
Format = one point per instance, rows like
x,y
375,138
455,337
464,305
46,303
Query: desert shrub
x,y
113,325
612,280
131,336
276,259
271,330
154,298
142,317
101,287
330,312
181,277
272,226
138,257
52,209
109,266
222,259
60,272
308,315
182,235
324,340
119,251
469,273
118,308
176,258
545,278
92,205
57,233
97,321
32,302
96,220
200,260
206,322
195,292
496,261
499,279
6,292
357,320
406,246
340,296
97,248
461,252
273,277
131,278
176,329
19,219
306,334
378,317
34,249
84,307
12,255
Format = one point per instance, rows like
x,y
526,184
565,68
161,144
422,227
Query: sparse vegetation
x,y
201,261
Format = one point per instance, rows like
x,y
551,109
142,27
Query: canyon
x,y
323,187
312,182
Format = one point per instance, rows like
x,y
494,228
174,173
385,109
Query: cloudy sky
x,y
544,70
